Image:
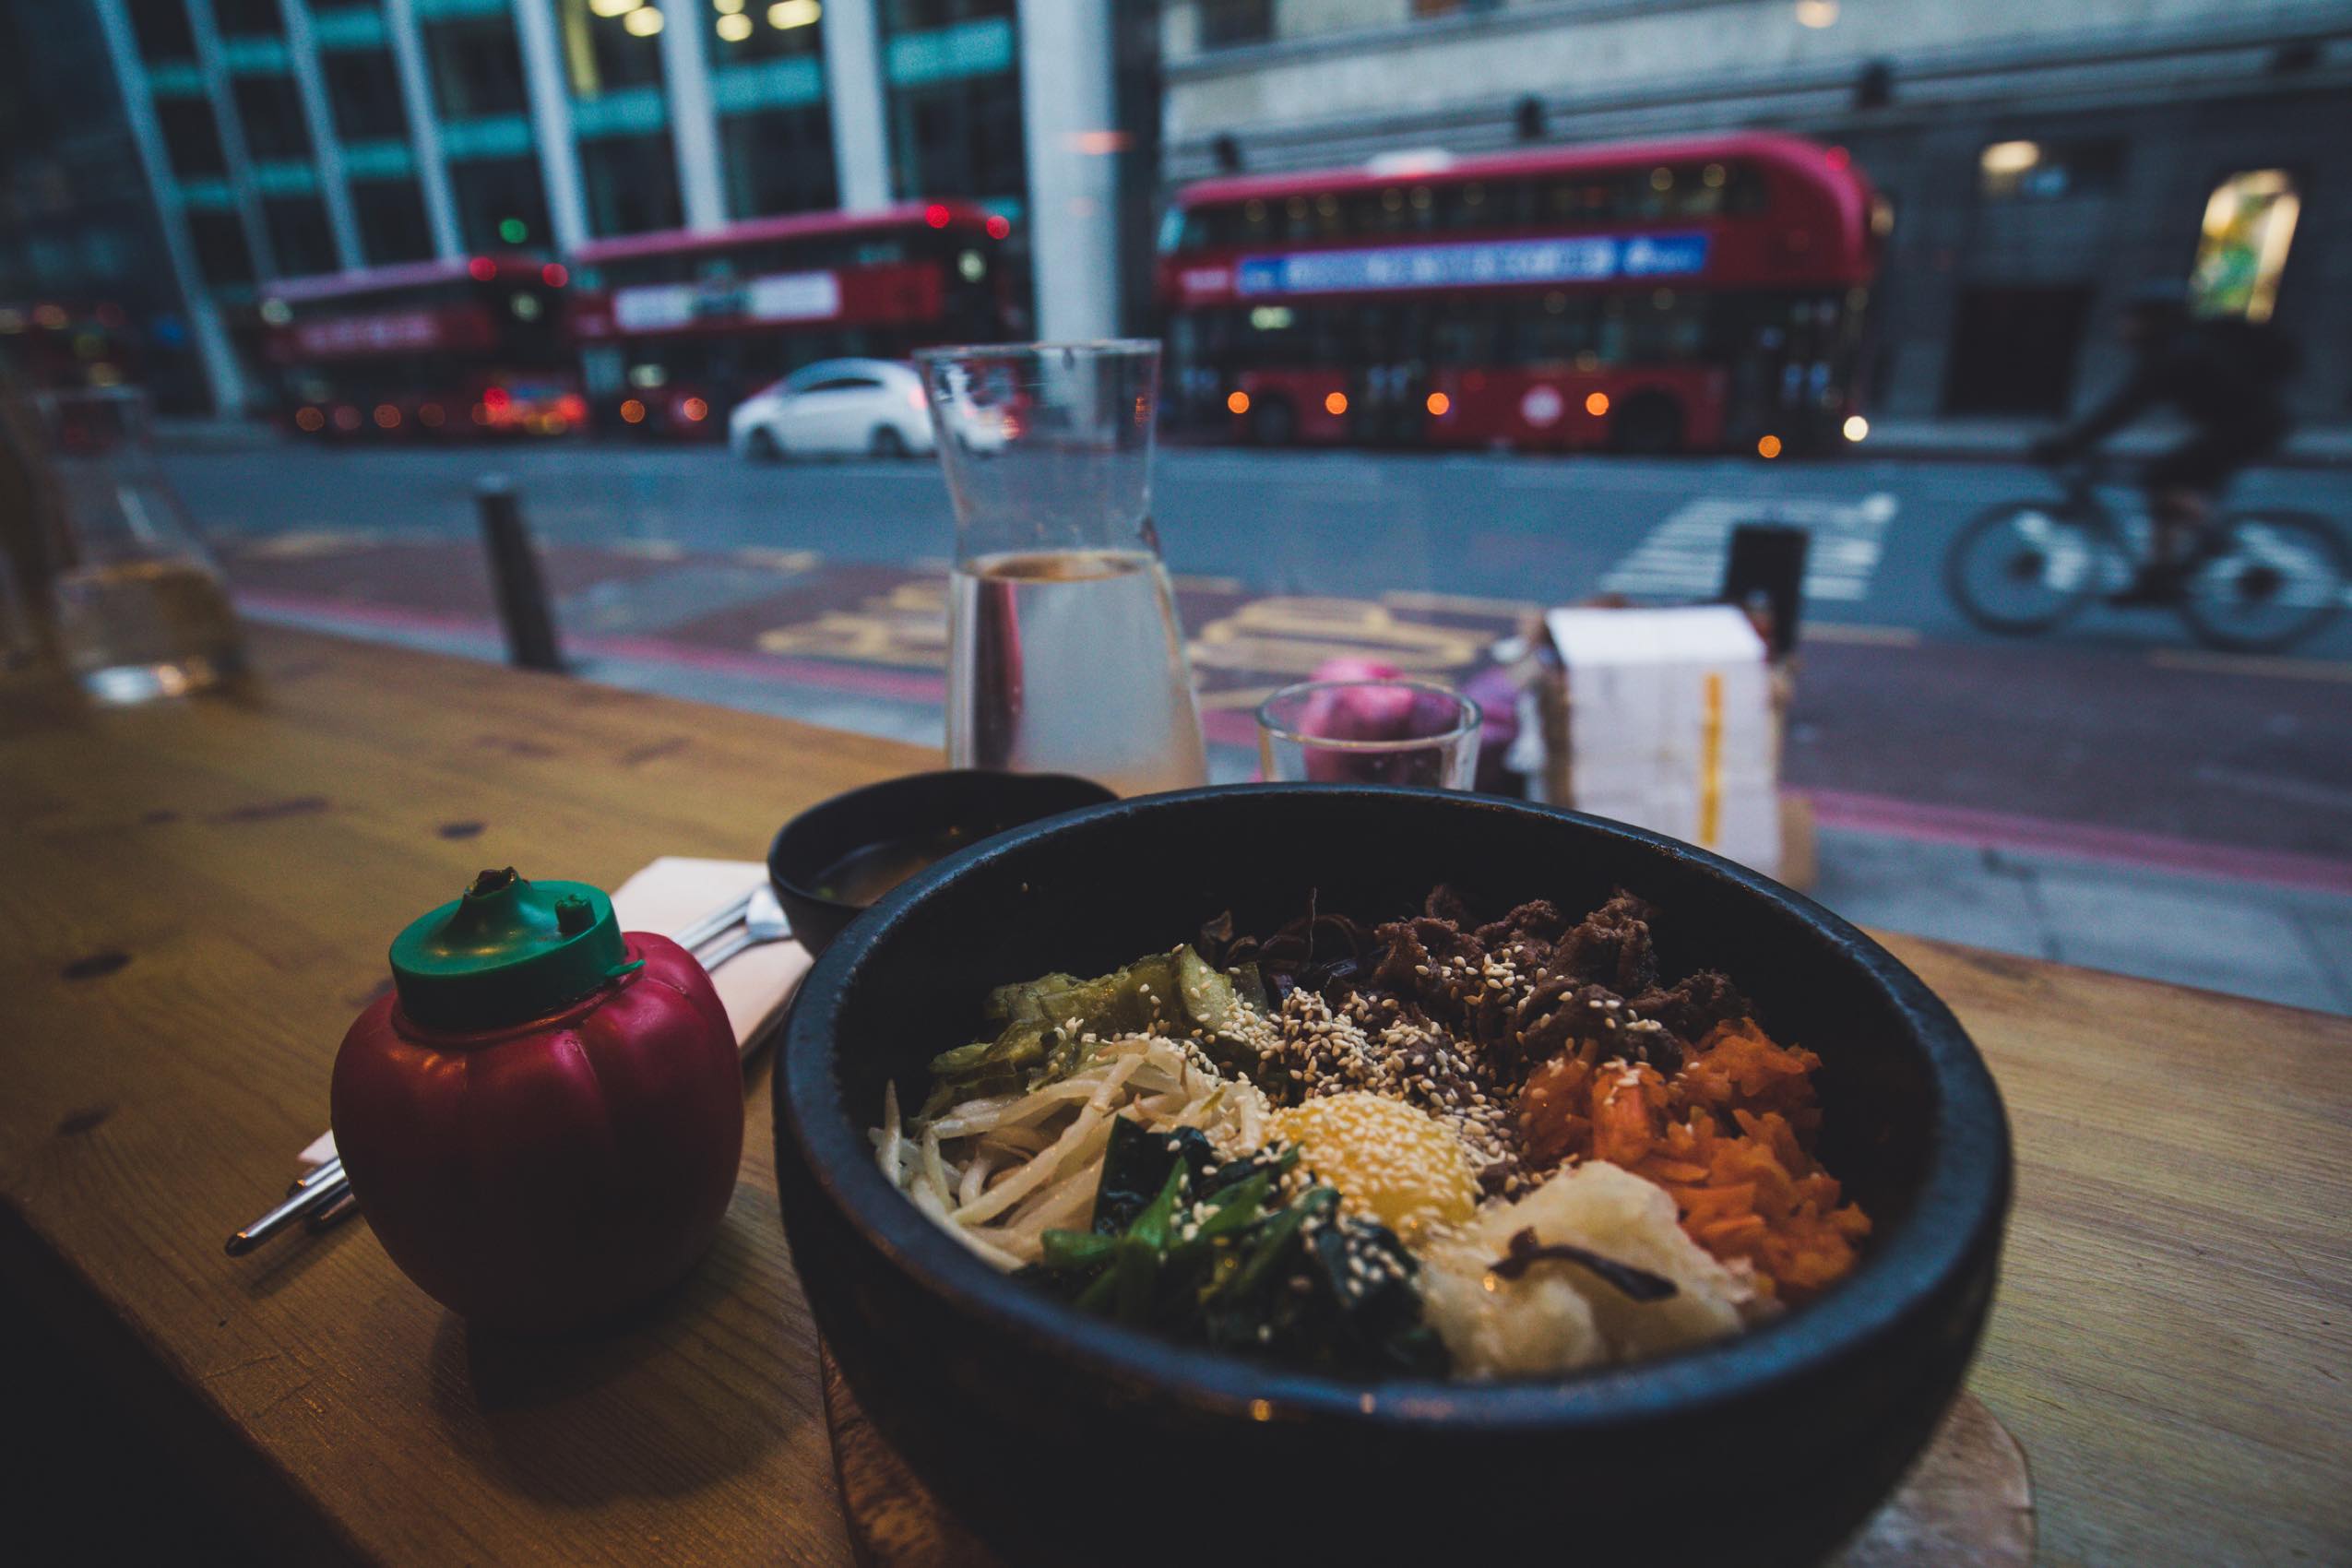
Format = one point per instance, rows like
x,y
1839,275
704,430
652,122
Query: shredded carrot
x,y
1729,1136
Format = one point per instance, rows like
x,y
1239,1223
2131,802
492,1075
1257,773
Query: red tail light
x,y
497,399
571,406
481,269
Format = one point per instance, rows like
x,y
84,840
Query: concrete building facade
x,y
2043,161
291,137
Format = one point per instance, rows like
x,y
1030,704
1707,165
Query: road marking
x,y
2250,664
792,563
1683,556
1247,697
1460,603
1849,632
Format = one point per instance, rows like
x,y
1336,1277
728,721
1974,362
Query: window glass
x,y
271,112
248,19
392,220
363,87
162,26
914,16
191,137
778,161
763,30
477,67
960,138
301,243
1228,22
604,51
496,198
2029,170
221,254
631,184
843,383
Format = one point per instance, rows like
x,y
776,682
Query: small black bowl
x,y
967,802
1065,1438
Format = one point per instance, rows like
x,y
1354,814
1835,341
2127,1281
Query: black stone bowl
x,y
965,800
1064,1438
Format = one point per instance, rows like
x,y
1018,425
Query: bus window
x,y
1463,333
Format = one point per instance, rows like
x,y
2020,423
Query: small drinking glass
x,y
1370,733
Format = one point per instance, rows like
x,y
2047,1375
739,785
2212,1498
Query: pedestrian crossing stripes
x,y
1683,558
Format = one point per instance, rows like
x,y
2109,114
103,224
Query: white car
x,y
872,408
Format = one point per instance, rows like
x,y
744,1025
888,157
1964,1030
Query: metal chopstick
x,y
710,925
303,1200
322,1195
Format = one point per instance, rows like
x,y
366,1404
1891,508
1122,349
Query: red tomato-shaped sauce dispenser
x,y
542,1122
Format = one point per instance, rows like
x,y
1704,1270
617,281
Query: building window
x,y
2241,249
477,67
1228,22
363,86
271,112
192,137
631,184
914,16
765,30
958,139
2033,171
778,161
610,44
222,255
162,30
392,222
248,19
500,202
299,240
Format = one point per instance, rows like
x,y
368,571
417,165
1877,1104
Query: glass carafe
x,y
1064,651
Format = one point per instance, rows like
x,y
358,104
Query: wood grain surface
x,y
195,900
1967,1504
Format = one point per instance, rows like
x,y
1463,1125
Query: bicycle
x,y
2256,580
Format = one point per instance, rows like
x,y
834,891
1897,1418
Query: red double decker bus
x,y
435,348
673,329
1689,295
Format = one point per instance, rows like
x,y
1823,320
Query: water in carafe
x,y
1072,661
1064,651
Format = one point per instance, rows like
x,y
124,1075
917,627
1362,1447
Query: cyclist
x,y
2225,377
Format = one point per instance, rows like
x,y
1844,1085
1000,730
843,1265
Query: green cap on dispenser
x,y
507,951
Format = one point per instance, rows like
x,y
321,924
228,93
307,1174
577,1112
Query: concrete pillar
x,y
424,128
325,145
559,155
859,100
231,128
1069,106
223,377
694,127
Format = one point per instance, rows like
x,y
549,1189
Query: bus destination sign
x,y
1583,258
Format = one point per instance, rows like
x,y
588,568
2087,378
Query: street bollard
x,y
513,578
1767,561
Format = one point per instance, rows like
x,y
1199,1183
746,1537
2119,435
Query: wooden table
x,y
194,898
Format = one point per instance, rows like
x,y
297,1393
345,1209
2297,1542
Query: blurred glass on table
x,y
1377,731
141,609
1064,651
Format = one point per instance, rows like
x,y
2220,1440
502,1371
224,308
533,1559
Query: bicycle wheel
x,y
2022,566
2266,581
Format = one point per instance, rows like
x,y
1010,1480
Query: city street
x,y
2000,767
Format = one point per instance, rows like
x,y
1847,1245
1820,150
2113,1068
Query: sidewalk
x,y
2006,440
2284,937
